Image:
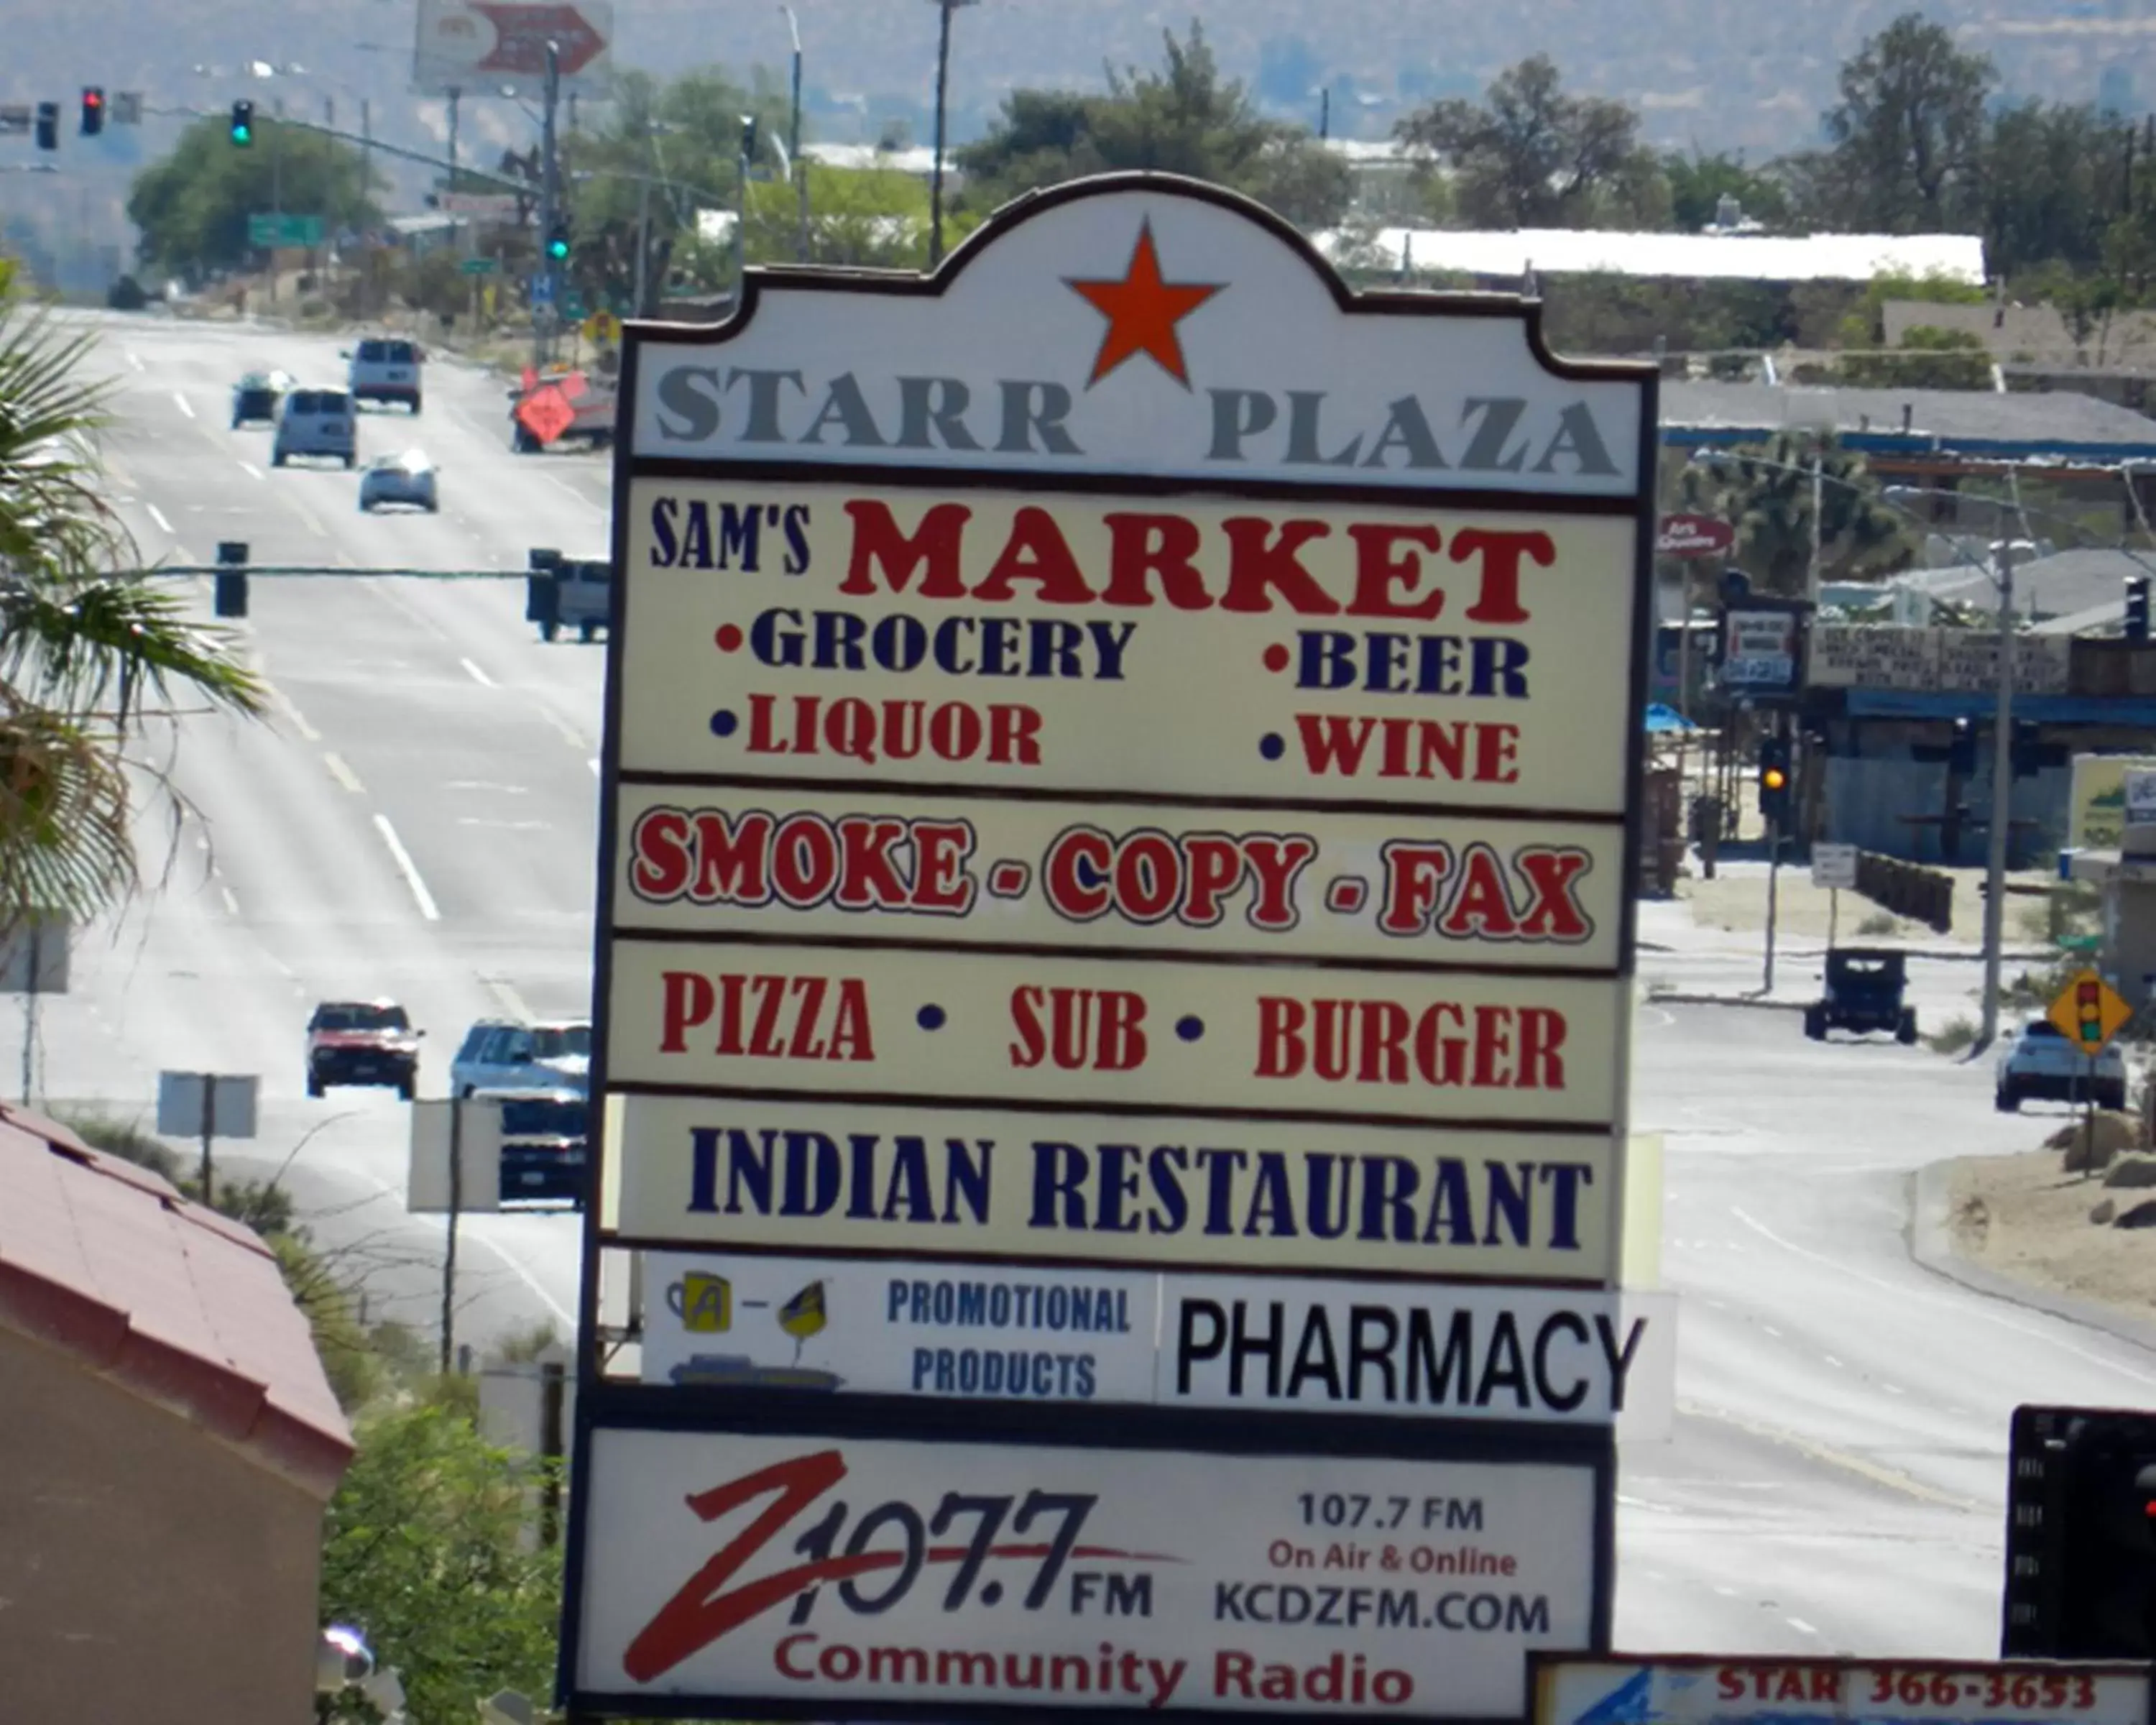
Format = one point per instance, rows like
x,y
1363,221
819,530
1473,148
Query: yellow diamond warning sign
x,y
2089,1012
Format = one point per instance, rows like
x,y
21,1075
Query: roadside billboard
x,y
1121,767
498,48
839,1578
1706,1689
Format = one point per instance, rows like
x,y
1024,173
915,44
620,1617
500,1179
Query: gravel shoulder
x,y
2026,1219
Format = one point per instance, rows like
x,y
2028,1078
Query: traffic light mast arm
x,y
375,145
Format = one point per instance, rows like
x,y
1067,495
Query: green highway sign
x,y
480,266
281,230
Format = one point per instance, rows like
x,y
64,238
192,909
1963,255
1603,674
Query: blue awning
x,y
2052,709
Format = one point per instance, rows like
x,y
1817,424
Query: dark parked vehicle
x,y
543,1133
256,398
363,1042
1864,989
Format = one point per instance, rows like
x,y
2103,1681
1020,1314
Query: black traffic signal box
x,y
2080,1535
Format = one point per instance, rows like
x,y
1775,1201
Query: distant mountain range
x,y
1710,72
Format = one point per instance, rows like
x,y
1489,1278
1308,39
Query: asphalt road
x,y
419,821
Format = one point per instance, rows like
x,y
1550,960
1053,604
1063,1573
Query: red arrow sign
x,y
522,34
1694,536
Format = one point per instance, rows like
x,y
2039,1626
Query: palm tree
x,y
89,647
1766,494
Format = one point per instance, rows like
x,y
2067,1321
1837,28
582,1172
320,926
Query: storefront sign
x,y
1760,653
975,1331
796,1571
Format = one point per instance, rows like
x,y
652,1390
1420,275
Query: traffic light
x,y
557,243
2088,1013
229,597
49,126
1961,749
2137,609
748,137
2080,1535
93,110
242,124
1774,782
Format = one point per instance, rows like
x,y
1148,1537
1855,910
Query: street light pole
x,y
794,140
2003,553
550,203
944,9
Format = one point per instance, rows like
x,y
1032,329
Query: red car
x,y
363,1042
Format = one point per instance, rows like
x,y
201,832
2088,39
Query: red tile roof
x,y
106,1261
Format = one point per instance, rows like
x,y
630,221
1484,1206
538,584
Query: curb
x,y
1671,996
1930,1238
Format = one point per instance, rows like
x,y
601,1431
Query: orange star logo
x,y
1142,311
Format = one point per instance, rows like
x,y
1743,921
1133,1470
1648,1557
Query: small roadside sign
x,y
1693,1689
480,266
2089,1012
1834,865
1693,536
603,327
273,229
542,290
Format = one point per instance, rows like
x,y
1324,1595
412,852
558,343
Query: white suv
x,y
498,1054
2036,1060
384,369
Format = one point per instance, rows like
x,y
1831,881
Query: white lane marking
x,y
250,470
594,765
183,401
583,497
1800,1626
1893,1390
341,773
405,866
157,515
231,904
1772,1330
512,1003
562,724
1976,1305
135,360
1727,1593
299,721
1833,1362
479,676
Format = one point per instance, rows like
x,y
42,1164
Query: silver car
x,y
407,479
500,1054
315,422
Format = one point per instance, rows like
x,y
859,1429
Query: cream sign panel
x,y
1411,889
980,1027
723,1564
1229,358
1267,649
825,1178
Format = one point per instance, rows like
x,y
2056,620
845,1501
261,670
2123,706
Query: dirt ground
x,y
1801,910
2025,1216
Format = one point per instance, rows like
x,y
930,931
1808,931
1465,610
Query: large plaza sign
x,y
1121,764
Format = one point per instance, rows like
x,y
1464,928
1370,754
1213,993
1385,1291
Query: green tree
x,y
88,649
1907,139
1699,181
192,208
1531,156
667,149
2054,178
424,1548
1767,494
1183,118
1864,324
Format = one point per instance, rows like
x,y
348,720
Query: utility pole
x,y
367,147
2003,552
642,240
456,96
1819,529
740,207
550,195
794,140
208,1134
945,8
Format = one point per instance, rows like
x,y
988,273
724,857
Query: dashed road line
x,y
298,721
1800,1626
157,515
250,470
478,675
231,904
184,407
341,773
512,1003
408,869
135,360
594,765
